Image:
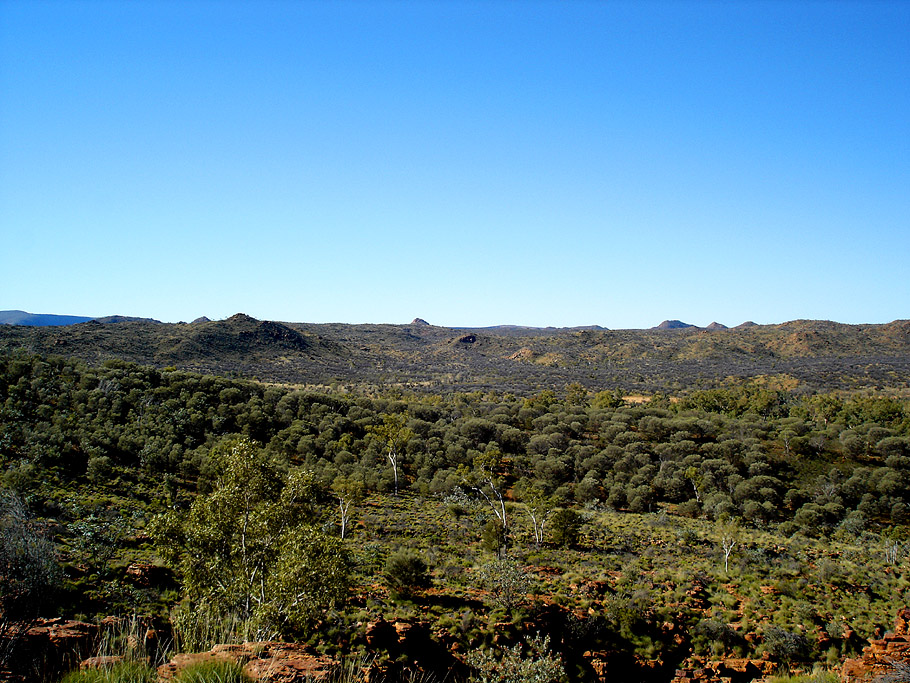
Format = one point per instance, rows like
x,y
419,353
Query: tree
x,y
576,394
608,400
695,478
95,536
28,567
251,546
825,407
29,573
538,505
348,490
394,435
484,480
728,536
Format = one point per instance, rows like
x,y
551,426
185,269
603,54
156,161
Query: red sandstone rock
x,y
52,646
266,662
902,623
381,635
879,655
288,663
724,671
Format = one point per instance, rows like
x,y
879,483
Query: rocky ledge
x,y
880,656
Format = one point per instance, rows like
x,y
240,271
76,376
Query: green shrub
x,y
406,573
493,536
99,469
565,527
689,508
785,645
507,582
533,665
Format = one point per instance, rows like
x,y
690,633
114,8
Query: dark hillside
x,y
237,337
814,355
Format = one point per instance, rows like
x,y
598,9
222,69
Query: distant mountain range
x,y
53,320
811,354
39,319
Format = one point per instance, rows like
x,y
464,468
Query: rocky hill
x,y
803,353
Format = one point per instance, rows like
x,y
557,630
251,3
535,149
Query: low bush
x,y
406,573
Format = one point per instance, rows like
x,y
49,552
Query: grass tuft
x,y
213,672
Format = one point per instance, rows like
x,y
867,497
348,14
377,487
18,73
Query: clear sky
x,y
471,163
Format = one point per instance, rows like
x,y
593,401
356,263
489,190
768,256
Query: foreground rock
x,y
879,656
46,648
404,647
731,670
267,662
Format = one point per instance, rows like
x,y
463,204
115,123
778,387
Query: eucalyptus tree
x,y
484,479
253,546
348,490
394,435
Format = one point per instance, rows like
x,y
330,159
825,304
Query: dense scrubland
x,y
571,531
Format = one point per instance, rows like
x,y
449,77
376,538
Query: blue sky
x,y
470,163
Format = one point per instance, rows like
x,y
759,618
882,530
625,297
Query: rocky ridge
x,y
59,645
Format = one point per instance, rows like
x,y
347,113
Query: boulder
x,y
288,663
264,662
730,670
49,647
381,635
146,574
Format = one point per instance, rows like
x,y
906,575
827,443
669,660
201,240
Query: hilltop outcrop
x,y
673,325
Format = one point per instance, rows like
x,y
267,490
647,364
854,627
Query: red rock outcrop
x,y
731,670
413,642
523,353
879,655
266,662
51,646
146,574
